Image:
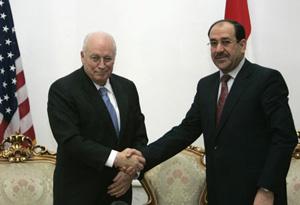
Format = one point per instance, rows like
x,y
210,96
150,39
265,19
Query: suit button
x,y
216,147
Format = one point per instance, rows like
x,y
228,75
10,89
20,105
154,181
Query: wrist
x,y
265,191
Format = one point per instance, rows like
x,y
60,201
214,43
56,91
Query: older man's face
x,y
98,59
226,52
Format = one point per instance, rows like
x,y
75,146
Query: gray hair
x,y
104,35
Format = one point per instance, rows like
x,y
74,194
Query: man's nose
x,y
219,47
101,63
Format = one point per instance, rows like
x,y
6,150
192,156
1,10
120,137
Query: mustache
x,y
221,55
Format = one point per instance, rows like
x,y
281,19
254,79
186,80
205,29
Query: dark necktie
x,y
110,108
222,98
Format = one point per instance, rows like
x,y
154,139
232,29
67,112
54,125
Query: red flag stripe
x,y
238,10
3,127
30,133
24,108
20,79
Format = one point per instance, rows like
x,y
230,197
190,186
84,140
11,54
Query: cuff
x,y
111,158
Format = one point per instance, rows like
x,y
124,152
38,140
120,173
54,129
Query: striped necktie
x,y
223,96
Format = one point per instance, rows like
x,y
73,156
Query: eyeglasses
x,y
222,42
98,59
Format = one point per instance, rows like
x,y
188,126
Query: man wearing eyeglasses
x,y
243,113
94,115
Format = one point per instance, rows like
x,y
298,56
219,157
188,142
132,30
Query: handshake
x,y
130,161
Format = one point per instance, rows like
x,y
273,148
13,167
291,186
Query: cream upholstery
x,y
179,180
26,173
293,178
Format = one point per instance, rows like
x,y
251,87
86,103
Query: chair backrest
x,y
293,177
179,180
26,172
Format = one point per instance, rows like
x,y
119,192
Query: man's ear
x,y
243,44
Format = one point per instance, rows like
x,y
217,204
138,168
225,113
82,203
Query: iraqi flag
x,y
238,10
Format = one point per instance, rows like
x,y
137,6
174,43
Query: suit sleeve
x,y
283,134
140,138
65,121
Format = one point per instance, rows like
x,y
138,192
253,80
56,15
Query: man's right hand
x,y
130,160
264,197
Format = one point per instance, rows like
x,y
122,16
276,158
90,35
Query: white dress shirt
x,y
232,74
113,154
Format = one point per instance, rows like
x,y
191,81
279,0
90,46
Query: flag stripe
x,y
20,80
24,108
25,123
238,10
14,125
3,127
29,132
22,94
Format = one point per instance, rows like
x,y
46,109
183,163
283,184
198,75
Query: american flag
x,y
14,104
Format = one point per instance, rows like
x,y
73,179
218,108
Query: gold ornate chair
x,y
26,172
179,180
293,177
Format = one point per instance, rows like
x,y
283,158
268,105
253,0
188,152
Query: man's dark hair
x,y
238,28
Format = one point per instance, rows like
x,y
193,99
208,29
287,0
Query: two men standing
x,y
248,130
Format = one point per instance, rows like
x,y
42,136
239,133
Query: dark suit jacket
x,y
253,143
85,135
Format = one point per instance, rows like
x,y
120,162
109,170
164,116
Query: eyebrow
x,y
223,38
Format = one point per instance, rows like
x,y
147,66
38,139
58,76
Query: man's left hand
x,y
121,184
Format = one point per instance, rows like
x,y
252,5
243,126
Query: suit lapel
x,y
212,100
91,93
236,91
122,101
94,97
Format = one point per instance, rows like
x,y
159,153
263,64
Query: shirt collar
x,y
235,71
107,86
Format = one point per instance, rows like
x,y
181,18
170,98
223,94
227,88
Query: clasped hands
x,y
130,161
